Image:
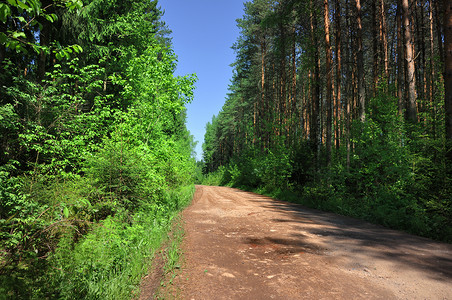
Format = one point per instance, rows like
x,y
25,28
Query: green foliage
x,y
198,175
214,178
35,212
244,171
396,174
385,181
114,256
27,14
271,169
124,174
380,160
93,153
275,168
111,257
19,226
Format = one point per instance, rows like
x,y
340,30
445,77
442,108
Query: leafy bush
x,y
275,168
111,257
215,178
124,173
109,262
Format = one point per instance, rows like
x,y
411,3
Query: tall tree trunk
x,y
448,74
439,29
274,100
360,58
411,112
432,72
400,59
315,83
422,44
338,71
283,82
384,39
307,108
418,44
294,112
329,80
349,85
263,54
375,51
254,123
431,81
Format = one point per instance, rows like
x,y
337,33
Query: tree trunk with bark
x,y
448,74
329,79
375,48
400,59
338,71
315,89
411,112
360,64
384,39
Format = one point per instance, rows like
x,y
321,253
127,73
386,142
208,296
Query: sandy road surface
x,y
240,245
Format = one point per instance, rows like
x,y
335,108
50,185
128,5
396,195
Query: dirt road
x,y
240,245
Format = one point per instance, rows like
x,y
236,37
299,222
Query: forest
x,y
95,157
342,105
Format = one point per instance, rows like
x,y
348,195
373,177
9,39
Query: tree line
x,y
346,104
95,158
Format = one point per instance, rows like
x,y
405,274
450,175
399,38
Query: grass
x,y
170,249
172,256
110,261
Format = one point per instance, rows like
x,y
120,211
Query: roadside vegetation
x,y
327,107
95,158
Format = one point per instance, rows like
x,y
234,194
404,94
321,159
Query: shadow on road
x,y
377,242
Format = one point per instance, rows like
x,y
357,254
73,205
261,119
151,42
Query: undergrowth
x,y
389,206
172,256
106,262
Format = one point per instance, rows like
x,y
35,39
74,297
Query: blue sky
x,y
203,33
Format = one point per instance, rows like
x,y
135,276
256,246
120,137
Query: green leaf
x,y
17,35
77,48
10,43
74,4
20,48
3,38
36,6
66,212
5,12
51,17
22,5
36,48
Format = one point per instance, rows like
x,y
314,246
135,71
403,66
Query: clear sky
x,y
203,34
